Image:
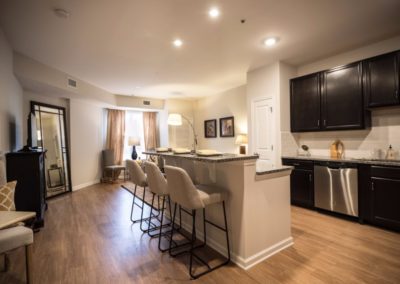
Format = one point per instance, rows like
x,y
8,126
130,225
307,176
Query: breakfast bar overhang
x,y
258,203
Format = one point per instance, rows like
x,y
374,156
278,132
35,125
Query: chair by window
x,y
111,171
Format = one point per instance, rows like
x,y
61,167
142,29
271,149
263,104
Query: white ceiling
x,y
122,44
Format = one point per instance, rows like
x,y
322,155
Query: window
x,y
133,128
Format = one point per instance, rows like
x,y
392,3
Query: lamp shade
x,y
174,119
241,139
133,141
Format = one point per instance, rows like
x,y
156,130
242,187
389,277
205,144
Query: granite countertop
x,y
368,161
274,170
225,157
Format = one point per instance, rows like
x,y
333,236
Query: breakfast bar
x,y
258,203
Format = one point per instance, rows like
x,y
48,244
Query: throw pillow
x,y
7,196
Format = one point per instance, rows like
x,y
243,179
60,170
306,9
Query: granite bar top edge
x,y
211,159
346,160
276,170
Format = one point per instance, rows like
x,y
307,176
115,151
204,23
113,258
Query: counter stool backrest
x,y
155,179
136,173
181,188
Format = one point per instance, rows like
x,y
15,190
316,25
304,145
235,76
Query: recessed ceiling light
x,y
178,42
270,41
214,13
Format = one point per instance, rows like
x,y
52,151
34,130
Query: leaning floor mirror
x,y
52,137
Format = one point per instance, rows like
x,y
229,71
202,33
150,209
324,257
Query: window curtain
x,y
116,133
150,130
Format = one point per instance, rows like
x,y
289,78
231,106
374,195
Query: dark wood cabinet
x,y
385,193
305,103
381,80
27,168
301,182
342,98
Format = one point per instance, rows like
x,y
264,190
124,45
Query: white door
x,y
263,131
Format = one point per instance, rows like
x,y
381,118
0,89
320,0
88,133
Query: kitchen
x,y
363,181
290,108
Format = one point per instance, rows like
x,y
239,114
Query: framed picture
x,y
227,127
210,128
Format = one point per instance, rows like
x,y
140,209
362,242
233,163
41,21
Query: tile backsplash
x,y
367,143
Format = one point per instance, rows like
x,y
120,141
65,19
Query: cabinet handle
x,y
372,186
296,164
324,122
310,177
396,94
318,122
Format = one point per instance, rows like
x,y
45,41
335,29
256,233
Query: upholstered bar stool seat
x,y
139,178
158,187
184,193
210,194
15,237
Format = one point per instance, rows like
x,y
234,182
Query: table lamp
x,y
134,141
241,140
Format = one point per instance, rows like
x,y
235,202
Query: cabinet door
x,y
302,188
342,98
385,202
382,80
305,103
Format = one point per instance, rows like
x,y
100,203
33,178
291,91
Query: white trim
x,y
264,254
244,263
86,184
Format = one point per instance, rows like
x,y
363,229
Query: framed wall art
x,y
227,127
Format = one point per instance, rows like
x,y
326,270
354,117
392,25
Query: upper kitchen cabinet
x,y
342,98
381,80
305,103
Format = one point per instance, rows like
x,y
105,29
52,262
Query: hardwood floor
x,y
88,238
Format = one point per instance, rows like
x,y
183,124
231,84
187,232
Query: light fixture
x,y
62,13
178,42
241,140
176,120
214,13
270,41
134,141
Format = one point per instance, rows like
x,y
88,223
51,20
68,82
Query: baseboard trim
x,y
244,263
264,254
86,184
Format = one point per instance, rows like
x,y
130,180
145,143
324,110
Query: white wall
x,y
87,142
11,118
350,56
229,103
178,136
385,122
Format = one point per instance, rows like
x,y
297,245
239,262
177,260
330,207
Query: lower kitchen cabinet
x,y
380,196
301,182
385,197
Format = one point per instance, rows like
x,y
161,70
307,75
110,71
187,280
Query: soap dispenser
x,y
390,154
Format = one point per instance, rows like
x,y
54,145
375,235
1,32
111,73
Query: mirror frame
x,y
69,187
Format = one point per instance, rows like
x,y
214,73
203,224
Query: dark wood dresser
x,y
27,168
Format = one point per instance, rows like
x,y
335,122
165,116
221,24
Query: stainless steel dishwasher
x,y
336,187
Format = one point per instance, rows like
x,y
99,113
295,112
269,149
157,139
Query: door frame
x,y
69,189
274,157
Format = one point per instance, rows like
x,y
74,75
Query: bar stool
x,y
183,192
139,178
